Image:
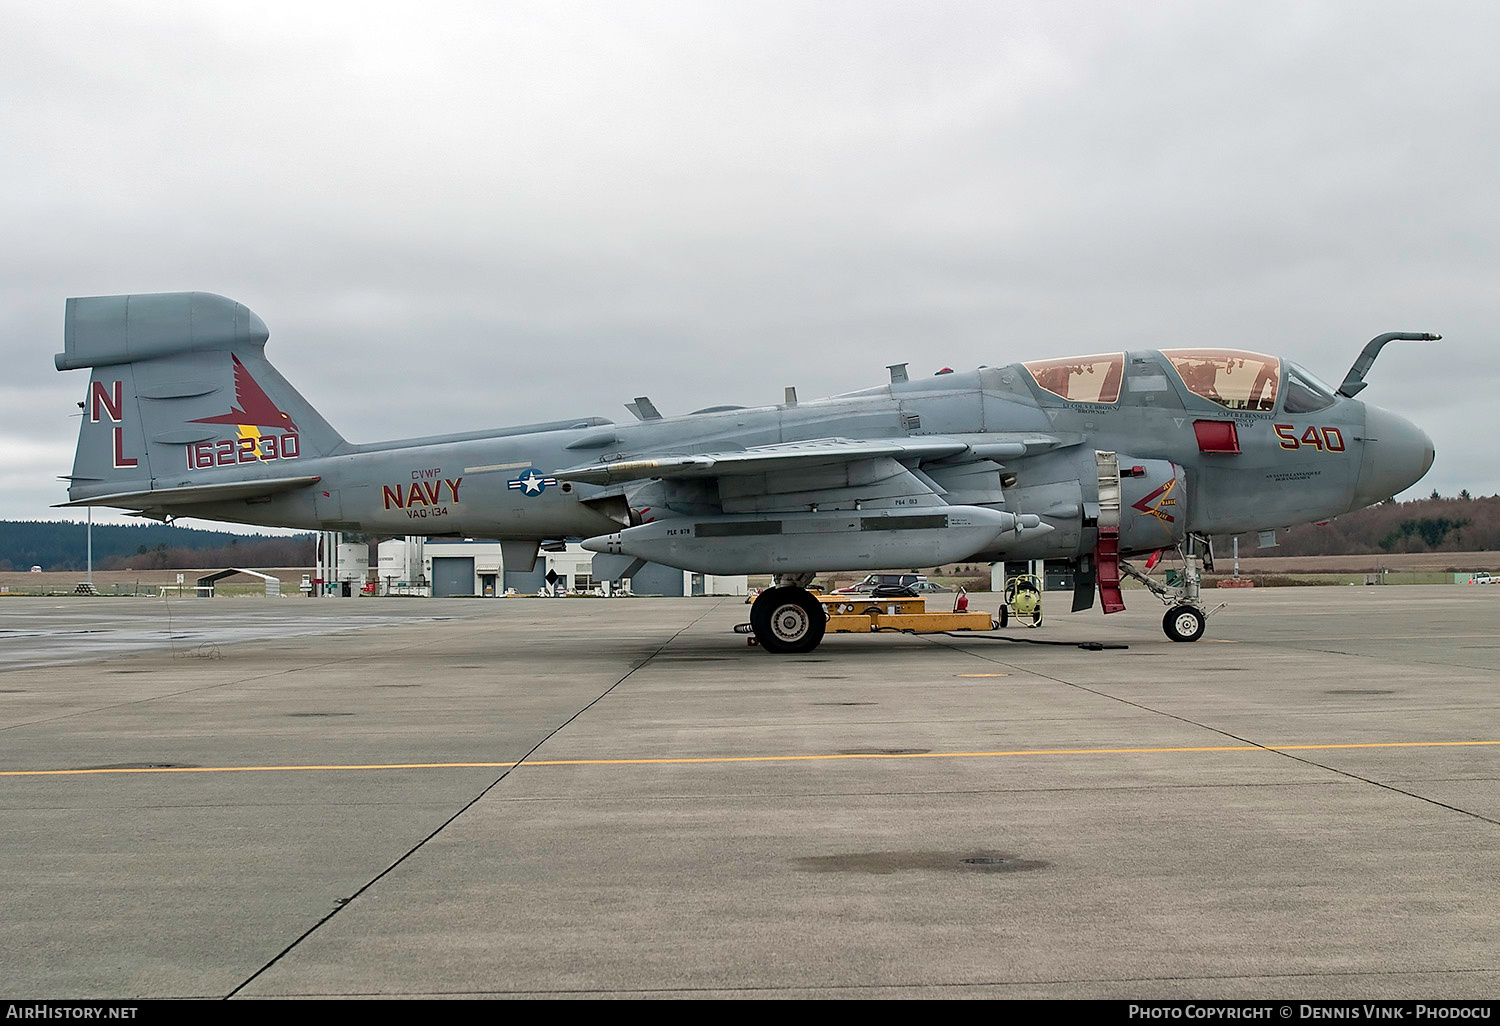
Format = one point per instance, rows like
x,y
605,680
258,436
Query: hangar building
x,y
453,567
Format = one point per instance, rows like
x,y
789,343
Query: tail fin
x,y
181,395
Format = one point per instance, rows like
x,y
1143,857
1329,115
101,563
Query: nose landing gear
x,y
1186,618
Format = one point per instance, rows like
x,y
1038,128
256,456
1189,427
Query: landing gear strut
x,y
788,618
1186,618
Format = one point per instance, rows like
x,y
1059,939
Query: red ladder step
x,y
1107,560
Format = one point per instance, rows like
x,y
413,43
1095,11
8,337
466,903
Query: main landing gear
x,y
788,618
1186,618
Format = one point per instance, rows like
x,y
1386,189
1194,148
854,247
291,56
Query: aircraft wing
x,y
788,456
167,497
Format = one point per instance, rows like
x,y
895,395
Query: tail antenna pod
x,y
1354,381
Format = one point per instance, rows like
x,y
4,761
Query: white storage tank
x,y
391,562
354,562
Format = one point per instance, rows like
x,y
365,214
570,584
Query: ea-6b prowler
x,y
1092,459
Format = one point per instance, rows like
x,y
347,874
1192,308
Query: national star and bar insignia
x,y
532,482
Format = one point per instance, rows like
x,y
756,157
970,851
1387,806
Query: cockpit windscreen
x,y
1305,393
1233,378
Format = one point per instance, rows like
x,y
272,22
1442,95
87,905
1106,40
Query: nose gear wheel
x,y
1184,623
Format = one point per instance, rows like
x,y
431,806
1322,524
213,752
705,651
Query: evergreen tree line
x,y
63,545
1434,524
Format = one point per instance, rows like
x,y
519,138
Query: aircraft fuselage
x,y
1289,468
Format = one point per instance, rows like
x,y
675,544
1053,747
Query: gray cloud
x,y
497,213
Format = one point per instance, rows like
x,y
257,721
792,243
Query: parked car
x,y
1484,578
915,582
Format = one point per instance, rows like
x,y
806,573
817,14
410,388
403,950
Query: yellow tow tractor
x,y
901,610
1023,600
863,614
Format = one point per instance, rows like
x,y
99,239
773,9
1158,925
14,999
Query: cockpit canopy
x,y
1235,379
1081,379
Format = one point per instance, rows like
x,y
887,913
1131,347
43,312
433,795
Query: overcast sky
x,y
463,215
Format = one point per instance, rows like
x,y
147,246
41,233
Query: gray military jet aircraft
x,y
1092,459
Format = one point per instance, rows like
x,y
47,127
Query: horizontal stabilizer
x,y
195,494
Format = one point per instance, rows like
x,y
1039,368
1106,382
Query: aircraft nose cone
x,y
1397,454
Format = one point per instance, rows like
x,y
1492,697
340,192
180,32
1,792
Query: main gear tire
x,y
788,620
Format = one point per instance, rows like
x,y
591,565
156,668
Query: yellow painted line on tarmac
x,y
981,675
1017,753
254,769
